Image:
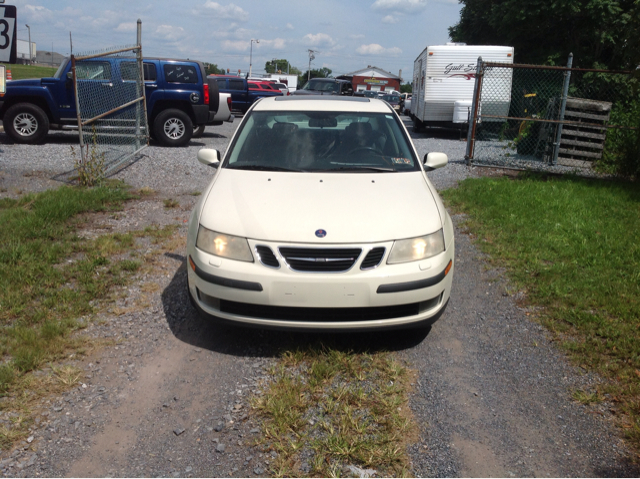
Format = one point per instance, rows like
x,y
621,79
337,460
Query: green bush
x,y
622,148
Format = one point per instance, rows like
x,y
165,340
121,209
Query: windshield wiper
x,y
262,168
366,169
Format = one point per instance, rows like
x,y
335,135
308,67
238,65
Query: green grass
x,y
49,276
330,409
20,72
51,282
573,245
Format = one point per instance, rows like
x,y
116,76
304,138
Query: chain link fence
x,y
111,106
557,117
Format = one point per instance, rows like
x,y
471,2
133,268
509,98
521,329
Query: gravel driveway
x,y
168,394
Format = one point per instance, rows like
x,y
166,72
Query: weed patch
x,y
326,410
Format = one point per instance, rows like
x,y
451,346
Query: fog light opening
x,y
430,304
209,301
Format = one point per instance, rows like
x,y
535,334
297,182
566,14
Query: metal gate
x,y
558,116
111,105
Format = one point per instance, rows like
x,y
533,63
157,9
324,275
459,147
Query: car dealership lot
x,y
492,394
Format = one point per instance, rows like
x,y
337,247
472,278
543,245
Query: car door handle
x,y
107,85
151,85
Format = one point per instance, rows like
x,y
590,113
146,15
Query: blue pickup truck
x,y
241,96
179,97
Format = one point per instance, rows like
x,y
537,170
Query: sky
x,y
346,35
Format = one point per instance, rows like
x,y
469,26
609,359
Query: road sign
x,y
8,42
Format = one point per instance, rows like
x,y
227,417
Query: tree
x,y
323,72
406,88
281,65
546,31
212,69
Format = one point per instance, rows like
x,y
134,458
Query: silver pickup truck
x,y
223,114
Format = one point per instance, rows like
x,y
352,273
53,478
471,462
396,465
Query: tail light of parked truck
x,y
229,103
206,94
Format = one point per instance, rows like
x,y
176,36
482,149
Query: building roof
x,y
46,58
373,72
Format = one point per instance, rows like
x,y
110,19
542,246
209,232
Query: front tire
x,y
198,131
26,123
173,128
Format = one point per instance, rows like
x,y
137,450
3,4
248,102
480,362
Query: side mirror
x,y
69,75
209,157
435,160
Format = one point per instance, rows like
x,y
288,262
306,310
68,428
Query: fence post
x,y
140,84
78,112
471,134
565,93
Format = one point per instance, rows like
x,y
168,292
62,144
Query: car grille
x,y
285,313
320,259
373,258
267,257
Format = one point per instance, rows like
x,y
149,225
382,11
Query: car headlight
x,y
415,249
226,246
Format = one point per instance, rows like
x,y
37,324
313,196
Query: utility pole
x,y
251,55
30,56
311,57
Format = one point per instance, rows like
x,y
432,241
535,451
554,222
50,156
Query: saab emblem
x,y
321,233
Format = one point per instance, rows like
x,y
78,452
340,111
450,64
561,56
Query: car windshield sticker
x,y
402,161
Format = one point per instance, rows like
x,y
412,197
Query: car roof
x,y
337,80
322,103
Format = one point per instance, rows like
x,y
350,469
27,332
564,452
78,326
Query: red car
x,y
261,85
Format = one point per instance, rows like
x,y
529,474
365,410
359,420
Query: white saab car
x,y
321,216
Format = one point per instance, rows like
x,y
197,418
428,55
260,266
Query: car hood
x,y
26,82
351,208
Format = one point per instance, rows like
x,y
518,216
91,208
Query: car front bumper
x,y
385,297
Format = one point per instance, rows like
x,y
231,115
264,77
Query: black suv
x,y
326,86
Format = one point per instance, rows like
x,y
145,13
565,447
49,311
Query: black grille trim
x,y
267,257
320,259
412,285
373,258
229,283
319,315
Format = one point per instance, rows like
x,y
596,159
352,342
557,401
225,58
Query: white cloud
x,y
36,13
375,49
237,45
289,26
276,43
405,6
127,27
318,40
390,19
230,11
170,33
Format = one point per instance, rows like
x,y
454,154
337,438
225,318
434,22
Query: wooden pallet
x,y
581,144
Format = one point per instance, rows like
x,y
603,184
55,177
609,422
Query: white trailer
x,y
444,80
290,80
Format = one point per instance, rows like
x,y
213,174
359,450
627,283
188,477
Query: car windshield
x,y
391,98
328,86
321,141
61,69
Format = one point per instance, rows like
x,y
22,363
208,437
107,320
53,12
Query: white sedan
x,y
321,216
